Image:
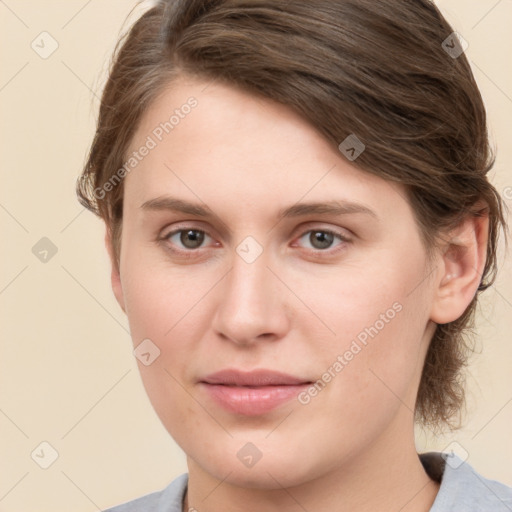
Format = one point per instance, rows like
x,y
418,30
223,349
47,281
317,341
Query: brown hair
x,y
377,70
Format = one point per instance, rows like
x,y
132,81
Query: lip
x,y
232,377
252,393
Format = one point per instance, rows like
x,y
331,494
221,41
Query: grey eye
x,y
320,239
188,238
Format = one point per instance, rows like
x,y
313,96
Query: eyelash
x,y
191,253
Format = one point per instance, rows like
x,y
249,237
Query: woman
x,y
300,224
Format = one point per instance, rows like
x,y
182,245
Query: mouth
x,y
252,393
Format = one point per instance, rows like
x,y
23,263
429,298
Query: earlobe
x,y
115,276
460,268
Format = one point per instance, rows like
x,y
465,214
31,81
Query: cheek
x,y
170,308
361,302
163,307
378,321
159,301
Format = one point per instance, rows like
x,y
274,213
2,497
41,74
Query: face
x,y
250,245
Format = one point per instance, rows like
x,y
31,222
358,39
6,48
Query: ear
x,y
460,268
115,277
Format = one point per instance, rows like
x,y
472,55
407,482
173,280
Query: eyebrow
x,y
334,207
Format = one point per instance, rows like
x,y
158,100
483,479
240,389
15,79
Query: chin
x,y
274,470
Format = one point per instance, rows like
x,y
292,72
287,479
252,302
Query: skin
x,y
294,309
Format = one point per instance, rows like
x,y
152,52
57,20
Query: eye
x,y
322,239
189,238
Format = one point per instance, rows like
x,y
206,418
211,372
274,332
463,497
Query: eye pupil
x,y
323,238
192,238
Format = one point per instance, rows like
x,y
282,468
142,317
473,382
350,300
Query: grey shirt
x,y
462,490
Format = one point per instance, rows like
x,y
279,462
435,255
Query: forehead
x,y
214,141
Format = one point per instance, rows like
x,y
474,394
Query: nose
x,y
253,304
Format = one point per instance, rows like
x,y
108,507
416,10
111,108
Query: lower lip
x,y
251,401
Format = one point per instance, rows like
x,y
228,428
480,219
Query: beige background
x,y
67,372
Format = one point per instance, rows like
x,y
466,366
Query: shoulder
x,y
167,500
465,490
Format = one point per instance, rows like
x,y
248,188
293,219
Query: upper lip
x,y
232,377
